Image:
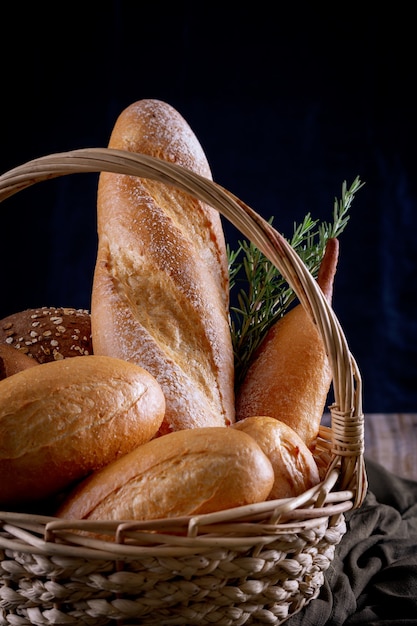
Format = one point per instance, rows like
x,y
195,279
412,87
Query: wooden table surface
x,y
391,441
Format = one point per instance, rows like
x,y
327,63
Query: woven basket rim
x,y
345,484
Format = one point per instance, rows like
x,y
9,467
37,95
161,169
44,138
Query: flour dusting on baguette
x,y
161,290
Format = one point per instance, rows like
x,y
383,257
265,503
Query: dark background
x,y
287,106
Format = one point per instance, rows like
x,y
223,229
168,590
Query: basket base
x,y
262,585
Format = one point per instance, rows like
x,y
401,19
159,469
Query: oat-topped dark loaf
x,y
48,333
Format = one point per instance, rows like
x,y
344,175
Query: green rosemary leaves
x,y
259,293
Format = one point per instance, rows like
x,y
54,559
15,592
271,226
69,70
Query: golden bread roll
x,y
59,421
13,361
187,472
294,465
289,376
161,290
48,333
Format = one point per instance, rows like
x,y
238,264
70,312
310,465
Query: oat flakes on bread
x,y
48,333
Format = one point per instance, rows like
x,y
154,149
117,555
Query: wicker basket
x,y
256,564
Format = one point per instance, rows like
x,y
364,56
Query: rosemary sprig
x,y
259,293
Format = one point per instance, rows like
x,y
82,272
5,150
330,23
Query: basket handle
x,y
346,411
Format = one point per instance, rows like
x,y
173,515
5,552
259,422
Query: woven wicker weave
x,y
257,564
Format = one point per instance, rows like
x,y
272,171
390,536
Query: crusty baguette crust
x,y
290,374
187,472
61,420
161,292
328,267
290,377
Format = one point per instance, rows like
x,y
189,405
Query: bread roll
x,y
295,468
48,333
60,421
161,292
289,377
187,472
13,361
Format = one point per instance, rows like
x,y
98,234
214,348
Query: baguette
x,y
290,375
160,292
187,472
61,420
